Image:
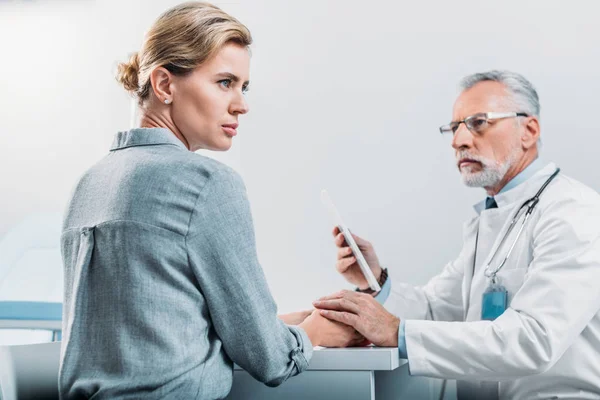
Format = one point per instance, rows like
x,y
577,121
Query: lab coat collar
x,y
145,137
520,192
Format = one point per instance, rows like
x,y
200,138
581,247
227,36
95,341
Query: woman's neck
x,y
151,119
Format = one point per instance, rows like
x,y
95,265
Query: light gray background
x,y
345,95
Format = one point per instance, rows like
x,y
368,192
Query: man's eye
x,y
478,123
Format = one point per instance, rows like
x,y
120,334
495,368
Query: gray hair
x,y
521,90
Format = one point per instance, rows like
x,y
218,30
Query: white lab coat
x,y
547,343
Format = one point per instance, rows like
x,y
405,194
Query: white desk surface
x,y
30,324
354,359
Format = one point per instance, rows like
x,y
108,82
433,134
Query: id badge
x,y
494,302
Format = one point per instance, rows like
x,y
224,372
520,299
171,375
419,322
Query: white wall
x,y
345,95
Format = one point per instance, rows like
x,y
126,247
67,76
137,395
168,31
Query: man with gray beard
x,y
517,314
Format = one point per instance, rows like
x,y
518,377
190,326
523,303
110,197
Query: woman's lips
x,y
230,130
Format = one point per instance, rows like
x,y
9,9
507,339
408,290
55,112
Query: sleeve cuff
x,y
303,354
384,293
402,340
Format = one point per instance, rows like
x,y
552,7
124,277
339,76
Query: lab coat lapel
x,y
469,244
479,233
493,224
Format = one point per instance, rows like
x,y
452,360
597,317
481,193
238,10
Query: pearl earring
x,y
167,101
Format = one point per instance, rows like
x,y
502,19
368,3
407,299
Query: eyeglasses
x,y
479,122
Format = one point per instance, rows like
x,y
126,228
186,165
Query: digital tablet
x,y
360,259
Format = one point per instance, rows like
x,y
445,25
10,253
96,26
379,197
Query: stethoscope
x,y
530,204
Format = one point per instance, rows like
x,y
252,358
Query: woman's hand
x,y
295,318
324,332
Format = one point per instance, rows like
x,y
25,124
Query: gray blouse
x,y
163,288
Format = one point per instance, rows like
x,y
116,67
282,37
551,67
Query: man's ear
x,y
531,132
161,80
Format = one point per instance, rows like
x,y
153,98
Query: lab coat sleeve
x,y
222,255
440,299
558,298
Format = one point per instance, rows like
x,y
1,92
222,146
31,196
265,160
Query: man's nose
x,y
462,137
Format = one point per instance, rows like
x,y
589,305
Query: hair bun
x,y
127,73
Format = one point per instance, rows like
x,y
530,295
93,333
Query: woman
x,y
163,289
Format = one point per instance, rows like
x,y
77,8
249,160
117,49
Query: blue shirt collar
x,y
532,169
522,176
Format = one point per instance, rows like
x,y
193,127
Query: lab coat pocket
x,y
512,280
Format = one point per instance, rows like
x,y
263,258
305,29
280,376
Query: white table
x,y
343,374
48,325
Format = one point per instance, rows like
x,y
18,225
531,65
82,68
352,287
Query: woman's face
x,y
206,103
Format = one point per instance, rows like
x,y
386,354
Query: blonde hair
x,y
180,40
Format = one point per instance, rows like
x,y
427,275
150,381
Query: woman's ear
x,y
161,80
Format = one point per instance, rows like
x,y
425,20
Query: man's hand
x,y
326,333
295,318
346,262
362,312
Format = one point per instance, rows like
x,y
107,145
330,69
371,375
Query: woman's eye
x,y
245,89
225,83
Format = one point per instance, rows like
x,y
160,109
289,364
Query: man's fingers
x,y
336,231
343,252
345,263
340,241
337,305
337,295
340,316
360,241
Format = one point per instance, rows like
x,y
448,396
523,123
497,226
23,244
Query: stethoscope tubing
x,y
530,203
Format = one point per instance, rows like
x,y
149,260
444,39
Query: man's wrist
x,y
378,274
393,341
381,279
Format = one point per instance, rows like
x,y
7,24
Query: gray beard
x,y
489,176
491,173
